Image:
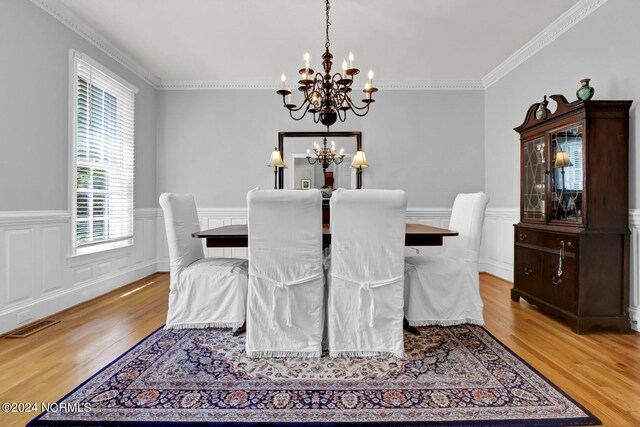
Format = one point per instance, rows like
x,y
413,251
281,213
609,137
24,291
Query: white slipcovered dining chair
x,y
444,289
366,273
285,307
203,292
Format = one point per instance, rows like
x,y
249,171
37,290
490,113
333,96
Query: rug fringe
x,y
335,354
454,322
304,354
204,325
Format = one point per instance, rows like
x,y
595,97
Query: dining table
x,y
237,236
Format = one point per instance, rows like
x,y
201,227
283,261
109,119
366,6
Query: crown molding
x,y
567,20
558,27
433,84
65,16
272,85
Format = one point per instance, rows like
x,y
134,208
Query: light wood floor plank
x,y
601,370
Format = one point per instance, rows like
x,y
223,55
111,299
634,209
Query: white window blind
x,y
103,156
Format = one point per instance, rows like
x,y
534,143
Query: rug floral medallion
x,y
457,375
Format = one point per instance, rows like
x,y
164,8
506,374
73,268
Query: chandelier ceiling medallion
x,y
327,96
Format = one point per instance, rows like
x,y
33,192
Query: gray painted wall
x,y
603,47
216,144
34,110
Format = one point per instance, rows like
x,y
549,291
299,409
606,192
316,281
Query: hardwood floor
x,y
601,370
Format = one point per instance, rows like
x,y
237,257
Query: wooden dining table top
x,y
236,236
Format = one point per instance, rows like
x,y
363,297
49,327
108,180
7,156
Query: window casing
x,y
102,157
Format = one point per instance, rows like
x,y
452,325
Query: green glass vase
x,y
585,92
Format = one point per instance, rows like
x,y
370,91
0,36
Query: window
x,y
102,157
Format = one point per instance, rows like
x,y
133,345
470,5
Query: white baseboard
x,y
163,265
55,302
496,270
634,315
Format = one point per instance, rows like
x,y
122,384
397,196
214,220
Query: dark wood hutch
x,y
572,241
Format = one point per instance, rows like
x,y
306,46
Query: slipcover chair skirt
x,y
366,273
203,292
444,289
285,308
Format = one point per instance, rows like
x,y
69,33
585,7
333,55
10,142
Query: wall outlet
x,y
24,317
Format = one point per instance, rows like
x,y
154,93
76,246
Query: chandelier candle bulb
x,y
283,79
367,90
370,78
350,59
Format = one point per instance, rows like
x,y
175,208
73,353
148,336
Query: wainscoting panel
x,y
18,254
239,252
213,223
39,278
53,238
496,255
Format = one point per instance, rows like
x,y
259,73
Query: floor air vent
x,y
32,329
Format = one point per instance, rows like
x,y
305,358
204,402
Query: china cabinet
x,y
572,242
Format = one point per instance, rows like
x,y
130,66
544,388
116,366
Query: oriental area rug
x,y
451,376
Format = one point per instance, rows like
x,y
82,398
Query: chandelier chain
x,y
327,44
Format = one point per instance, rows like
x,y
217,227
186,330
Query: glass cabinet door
x,y
534,180
566,176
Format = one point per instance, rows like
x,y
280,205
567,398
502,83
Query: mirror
x,y
301,174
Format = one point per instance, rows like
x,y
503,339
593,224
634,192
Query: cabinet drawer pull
x,y
557,281
570,245
528,271
522,236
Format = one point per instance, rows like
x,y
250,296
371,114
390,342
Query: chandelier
x,y
324,155
327,96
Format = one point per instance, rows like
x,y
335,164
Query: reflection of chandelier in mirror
x,y
324,155
327,96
